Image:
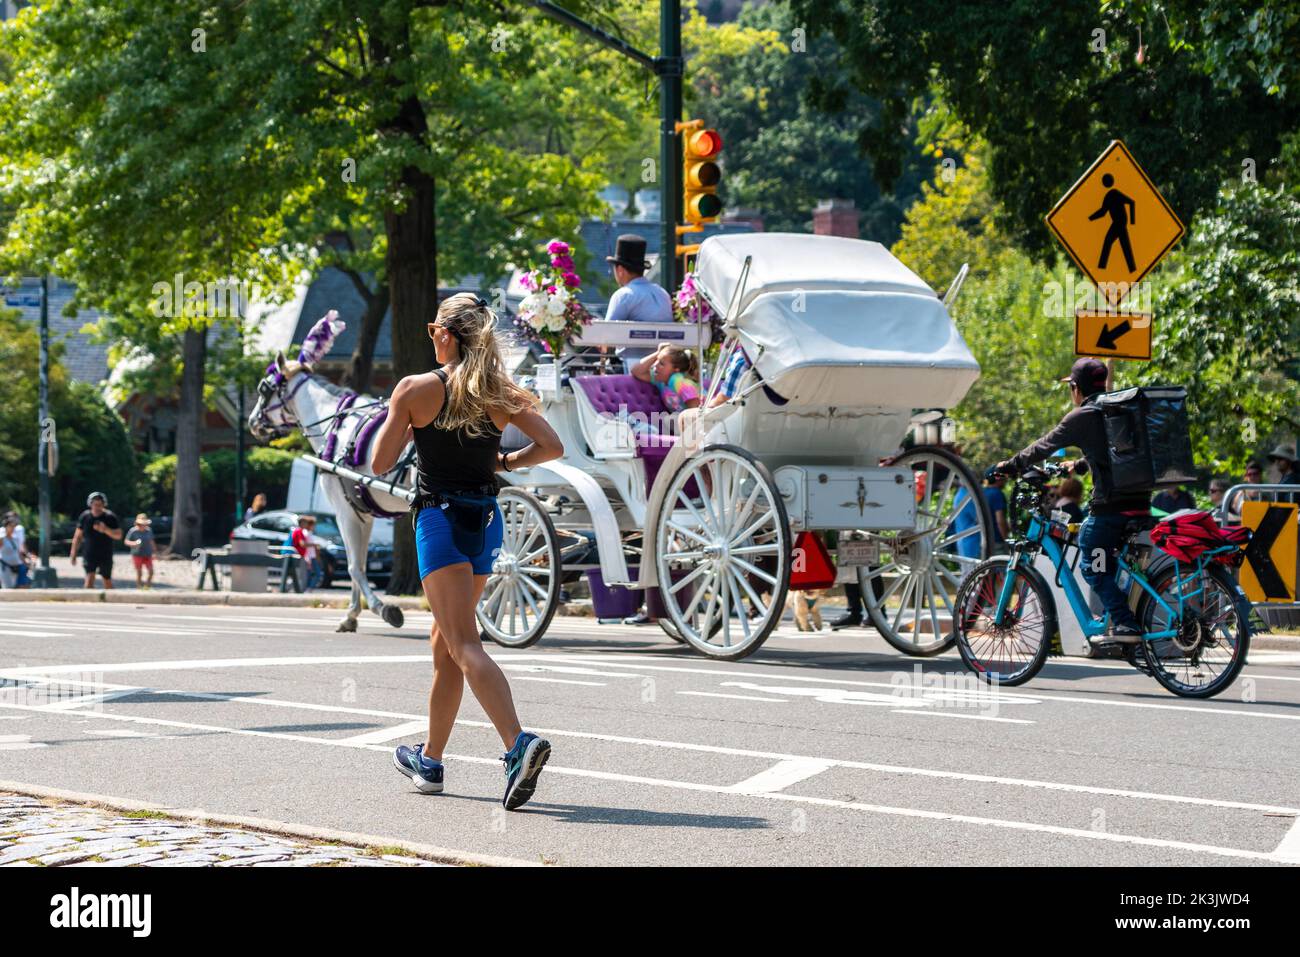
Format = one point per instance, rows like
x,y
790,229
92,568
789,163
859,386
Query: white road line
x,y
1002,697
737,697
388,734
129,733
11,633
969,717
564,669
1289,850
559,681
728,789
781,775
18,742
97,697
671,745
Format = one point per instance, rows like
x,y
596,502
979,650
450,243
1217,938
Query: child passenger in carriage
x,y
675,372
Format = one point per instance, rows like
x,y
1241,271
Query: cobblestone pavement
x,y
39,833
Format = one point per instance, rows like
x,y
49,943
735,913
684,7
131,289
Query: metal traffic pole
x,y
45,576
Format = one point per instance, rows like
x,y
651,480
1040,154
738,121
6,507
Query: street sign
x,y
1269,572
1112,335
1114,223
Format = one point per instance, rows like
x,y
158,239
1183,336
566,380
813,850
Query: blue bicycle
x,y
1194,618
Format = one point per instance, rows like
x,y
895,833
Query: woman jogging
x,y
456,415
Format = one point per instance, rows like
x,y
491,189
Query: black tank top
x,y
451,461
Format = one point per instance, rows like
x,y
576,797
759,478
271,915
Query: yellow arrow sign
x,y
1269,572
1112,335
1114,223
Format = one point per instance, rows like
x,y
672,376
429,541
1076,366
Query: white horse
x,y
339,424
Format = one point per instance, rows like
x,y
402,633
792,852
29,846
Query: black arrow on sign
x,y
1257,552
1110,336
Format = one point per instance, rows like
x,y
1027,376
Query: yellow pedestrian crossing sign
x,y
1114,223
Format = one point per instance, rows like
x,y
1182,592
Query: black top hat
x,y
629,251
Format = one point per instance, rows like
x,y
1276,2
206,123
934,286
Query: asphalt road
x,y
816,750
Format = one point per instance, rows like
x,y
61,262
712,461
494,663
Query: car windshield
x,y
326,528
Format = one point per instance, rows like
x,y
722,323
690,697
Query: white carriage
x,y
844,345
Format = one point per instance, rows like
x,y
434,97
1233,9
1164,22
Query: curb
x,y
579,609
428,852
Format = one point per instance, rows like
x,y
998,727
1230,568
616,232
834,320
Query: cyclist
x,y
1109,512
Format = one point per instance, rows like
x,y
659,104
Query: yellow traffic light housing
x,y
701,173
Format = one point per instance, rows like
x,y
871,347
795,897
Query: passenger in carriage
x,y
675,372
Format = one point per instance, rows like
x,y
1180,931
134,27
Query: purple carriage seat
x,y
612,395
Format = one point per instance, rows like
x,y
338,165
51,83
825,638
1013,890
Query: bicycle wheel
x,y
1014,652
1213,636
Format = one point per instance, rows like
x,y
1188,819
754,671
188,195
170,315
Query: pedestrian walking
x,y
456,415
1254,475
307,544
1070,499
139,538
97,530
1285,464
11,551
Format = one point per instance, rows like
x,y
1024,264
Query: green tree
x,y
1048,84
94,451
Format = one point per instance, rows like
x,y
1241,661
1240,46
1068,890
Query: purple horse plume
x,y
321,337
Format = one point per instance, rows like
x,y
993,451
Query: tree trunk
x,y
187,510
413,286
361,366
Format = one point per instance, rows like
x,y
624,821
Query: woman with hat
x,y
139,538
456,415
637,299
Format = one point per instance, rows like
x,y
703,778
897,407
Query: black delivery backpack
x,y
1147,437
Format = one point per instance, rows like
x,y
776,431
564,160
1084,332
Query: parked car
x,y
275,526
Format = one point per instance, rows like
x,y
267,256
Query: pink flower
x,y
562,262
551,289
557,248
571,280
527,281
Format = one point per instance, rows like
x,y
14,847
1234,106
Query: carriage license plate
x,y
858,553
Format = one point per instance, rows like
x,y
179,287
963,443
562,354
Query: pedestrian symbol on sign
x,y
1115,205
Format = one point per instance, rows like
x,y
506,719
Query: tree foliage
x,y
1048,84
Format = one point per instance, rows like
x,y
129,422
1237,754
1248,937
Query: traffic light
x,y
700,172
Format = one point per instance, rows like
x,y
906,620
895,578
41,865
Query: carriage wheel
x,y
728,543
523,591
911,595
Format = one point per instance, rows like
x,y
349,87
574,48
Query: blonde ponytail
x,y
478,383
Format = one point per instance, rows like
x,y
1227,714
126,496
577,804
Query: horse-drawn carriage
x,y
842,344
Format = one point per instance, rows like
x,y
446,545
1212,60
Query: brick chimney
x,y
836,217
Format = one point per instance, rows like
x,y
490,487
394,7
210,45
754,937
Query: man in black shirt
x,y
97,529
1108,512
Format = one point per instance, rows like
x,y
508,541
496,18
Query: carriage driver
x,y
1108,514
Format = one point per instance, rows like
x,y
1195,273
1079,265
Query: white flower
x,y
555,306
536,319
532,303
556,323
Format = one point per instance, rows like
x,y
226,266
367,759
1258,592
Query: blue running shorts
x,y
435,549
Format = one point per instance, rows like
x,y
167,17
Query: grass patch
x,y
142,842
381,850
144,814
97,859
37,861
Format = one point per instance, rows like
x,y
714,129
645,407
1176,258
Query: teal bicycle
x,y
1194,618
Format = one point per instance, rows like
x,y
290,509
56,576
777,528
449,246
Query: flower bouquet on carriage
x,y
689,305
551,314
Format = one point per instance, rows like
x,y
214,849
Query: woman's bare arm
x,y
395,432
546,444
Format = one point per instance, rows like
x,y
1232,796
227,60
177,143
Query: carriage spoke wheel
x,y
723,552
523,591
911,595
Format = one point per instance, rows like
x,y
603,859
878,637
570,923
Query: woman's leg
x,y
453,592
444,697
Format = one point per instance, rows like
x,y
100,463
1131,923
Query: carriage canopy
x,y
835,321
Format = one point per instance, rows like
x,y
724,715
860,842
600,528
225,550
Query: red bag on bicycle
x,y
1187,534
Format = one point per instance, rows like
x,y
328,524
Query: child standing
x,y
308,547
139,538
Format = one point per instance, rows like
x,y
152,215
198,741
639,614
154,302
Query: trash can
x,y
248,577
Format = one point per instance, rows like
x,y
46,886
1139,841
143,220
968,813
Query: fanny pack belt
x,y
469,512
